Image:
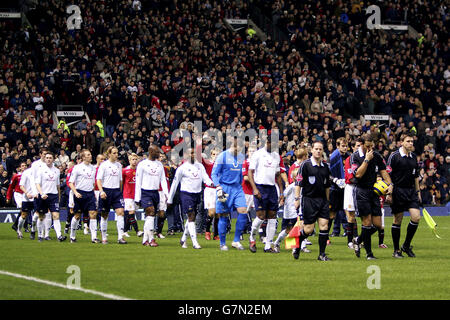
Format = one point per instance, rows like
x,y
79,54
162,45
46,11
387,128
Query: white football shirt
x,y
83,177
48,179
110,174
266,166
27,181
150,175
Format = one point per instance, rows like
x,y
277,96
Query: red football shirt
x,y
129,182
14,186
246,186
69,172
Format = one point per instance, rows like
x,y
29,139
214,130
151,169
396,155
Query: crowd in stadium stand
x,y
142,68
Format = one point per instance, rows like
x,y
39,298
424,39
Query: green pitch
x,y
170,272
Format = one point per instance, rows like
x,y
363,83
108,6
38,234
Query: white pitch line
x,y
55,284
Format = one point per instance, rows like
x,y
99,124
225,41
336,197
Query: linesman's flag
x,y
293,239
430,222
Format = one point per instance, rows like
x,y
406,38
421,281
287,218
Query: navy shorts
x,y
285,223
27,206
269,198
404,199
44,205
150,198
366,202
114,199
189,201
315,208
86,203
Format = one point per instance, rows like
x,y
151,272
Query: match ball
x,y
380,187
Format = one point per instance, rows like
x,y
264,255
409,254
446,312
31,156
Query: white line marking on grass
x,y
55,284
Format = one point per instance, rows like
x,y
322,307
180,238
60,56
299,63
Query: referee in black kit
x,y
313,181
403,168
366,164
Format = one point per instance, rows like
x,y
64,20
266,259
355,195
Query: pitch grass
x,y
170,272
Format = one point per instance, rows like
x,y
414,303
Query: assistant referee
x,y
403,168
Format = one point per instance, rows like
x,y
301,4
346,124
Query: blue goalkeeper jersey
x,y
227,168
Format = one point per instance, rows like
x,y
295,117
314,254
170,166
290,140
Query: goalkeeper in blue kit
x,y
227,177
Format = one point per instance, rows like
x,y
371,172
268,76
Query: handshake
x,y
339,182
222,196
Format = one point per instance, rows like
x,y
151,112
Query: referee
x,y
403,168
313,183
366,164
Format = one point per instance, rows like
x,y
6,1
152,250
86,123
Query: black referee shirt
x,y
403,169
314,178
373,168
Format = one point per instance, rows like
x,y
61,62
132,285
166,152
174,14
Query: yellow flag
x,y
430,222
293,239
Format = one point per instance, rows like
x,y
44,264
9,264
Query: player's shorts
x,y
314,208
236,199
51,204
130,205
404,199
189,201
336,199
18,198
27,206
288,223
86,203
162,201
150,198
366,202
209,198
249,201
114,199
71,200
269,198
348,197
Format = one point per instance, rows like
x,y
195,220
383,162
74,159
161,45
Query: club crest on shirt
x,y
312,180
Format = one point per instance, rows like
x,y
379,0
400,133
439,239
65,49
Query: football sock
x,y
34,221
161,223
323,237
193,233
366,237
270,232
74,227
222,226
93,227
40,227
208,223
69,220
241,222
126,220
412,227
303,244
255,227
104,228
185,232
47,224
380,236
132,221
350,232
20,223
303,236
395,230
16,221
151,230
281,237
146,229
57,227
216,226
120,225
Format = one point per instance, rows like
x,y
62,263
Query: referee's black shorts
x,y
336,199
366,202
404,199
315,208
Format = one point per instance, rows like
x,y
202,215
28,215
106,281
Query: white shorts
x,y
209,198
130,205
162,206
18,198
348,197
71,200
249,201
